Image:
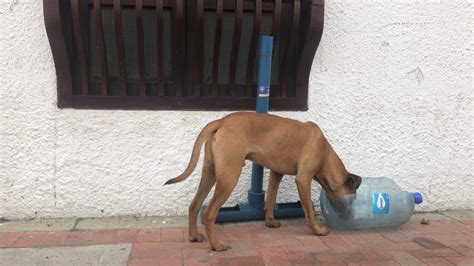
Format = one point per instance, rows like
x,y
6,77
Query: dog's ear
x,y
353,181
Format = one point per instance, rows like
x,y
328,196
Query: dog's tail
x,y
204,135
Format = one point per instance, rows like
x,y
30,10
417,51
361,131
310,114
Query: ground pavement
x,y
447,240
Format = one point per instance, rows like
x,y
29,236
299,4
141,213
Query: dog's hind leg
x,y
221,194
273,184
229,160
208,179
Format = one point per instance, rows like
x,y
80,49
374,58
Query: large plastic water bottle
x,y
379,202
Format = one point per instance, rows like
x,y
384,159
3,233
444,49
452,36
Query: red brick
x,y
102,237
243,248
437,261
461,227
395,236
282,234
469,223
155,262
149,236
157,250
169,234
447,238
299,229
262,237
356,239
436,227
310,243
125,236
376,254
196,245
79,238
353,256
407,229
332,259
7,238
405,258
143,262
428,243
336,243
196,253
197,261
300,258
404,246
41,239
236,233
463,249
434,253
461,260
239,261
273,253
379,262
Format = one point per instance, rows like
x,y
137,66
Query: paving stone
x,y
434,253
132,222
157,250
37,225
428,243
239,261
172,234
444,241
7,238
464,261
404,258
438,261
151,235
87,255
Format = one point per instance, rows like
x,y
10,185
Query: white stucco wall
x,y
391,86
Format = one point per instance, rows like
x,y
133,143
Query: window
x,y
180,54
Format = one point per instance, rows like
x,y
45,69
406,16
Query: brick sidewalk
x,y
447,242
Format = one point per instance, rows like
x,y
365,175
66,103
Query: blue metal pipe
x,y
256,195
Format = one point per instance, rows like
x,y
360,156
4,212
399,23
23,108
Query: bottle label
x,y
380,203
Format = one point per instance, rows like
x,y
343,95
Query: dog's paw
x,y
272,223
321,230
220,246
197,238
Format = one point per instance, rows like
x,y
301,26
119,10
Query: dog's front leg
x,y
303,182
273,184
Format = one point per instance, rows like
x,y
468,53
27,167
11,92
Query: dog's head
x,y
342,196
349,185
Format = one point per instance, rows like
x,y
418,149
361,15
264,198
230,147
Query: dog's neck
x,y
333,173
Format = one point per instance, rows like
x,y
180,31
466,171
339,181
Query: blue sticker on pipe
x,y
380,203
264,91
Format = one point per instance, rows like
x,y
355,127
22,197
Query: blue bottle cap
x,y
418,197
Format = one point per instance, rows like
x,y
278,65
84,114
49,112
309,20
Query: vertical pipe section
x,y
104,76
141,46
217,46
256,194
239,12
120,46
160,81
81,52
253,47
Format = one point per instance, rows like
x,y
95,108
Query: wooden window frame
x,y
65,32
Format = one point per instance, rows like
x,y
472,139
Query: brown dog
x,y
285,146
